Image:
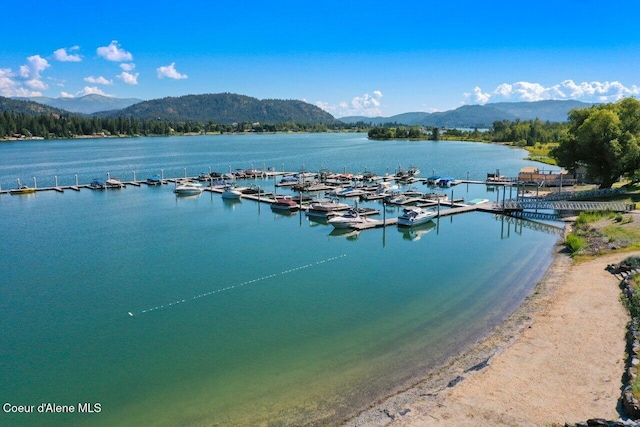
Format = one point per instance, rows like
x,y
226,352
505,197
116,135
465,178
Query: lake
x,y
198,311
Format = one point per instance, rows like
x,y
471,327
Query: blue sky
x,y
348,57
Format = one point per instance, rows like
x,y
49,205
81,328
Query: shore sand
x,y
559,358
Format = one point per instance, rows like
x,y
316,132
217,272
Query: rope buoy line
x,y
228,288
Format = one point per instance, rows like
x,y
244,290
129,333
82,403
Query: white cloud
x,y
568,89
478,96
64,56
7,83
92,91
10,87
365,105
66,95
170,71
98,80
37,65
113,52
128,67
128,78
24,71
36,84
30,73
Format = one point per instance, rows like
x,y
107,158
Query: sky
x,y
369,58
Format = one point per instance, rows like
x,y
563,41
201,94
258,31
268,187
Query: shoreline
x,y
436,397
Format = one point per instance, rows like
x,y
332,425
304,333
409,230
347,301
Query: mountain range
x,y
481,116
88,104
226,108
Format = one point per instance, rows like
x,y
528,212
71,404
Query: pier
x,y
536,208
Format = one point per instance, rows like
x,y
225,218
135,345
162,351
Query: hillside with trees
x,y
88,104
481,116
224,108
26,107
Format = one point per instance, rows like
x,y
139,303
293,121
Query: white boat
x,y
188,188
114,183
415,216
347,220
328,205
350,192
384,190
231,193
477,201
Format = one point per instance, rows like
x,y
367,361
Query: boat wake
x,y
229,288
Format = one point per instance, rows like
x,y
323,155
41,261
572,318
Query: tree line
x,y
49,126
603,139
517,132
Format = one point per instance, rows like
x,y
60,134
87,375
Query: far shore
x,y
558,358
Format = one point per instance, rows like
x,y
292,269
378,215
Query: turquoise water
x,y
240,316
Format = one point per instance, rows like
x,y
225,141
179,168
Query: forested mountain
x,y
481,116
224,108
87,104
26,107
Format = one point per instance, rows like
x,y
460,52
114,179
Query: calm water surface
x,y
240,316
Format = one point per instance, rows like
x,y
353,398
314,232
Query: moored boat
x,y
415,216
231,193
114,183
285,203
97,184
188,188
477,201
22,189
350,218
328,205
154,180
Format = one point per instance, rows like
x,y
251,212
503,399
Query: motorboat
x,y
403,199
285,203
97,184
415,216
154,180
188,188
288,181
328,205
231,193
446,181
22,189
114,183
383,190
352,217
253,189
477,201
349,192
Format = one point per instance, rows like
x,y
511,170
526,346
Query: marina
x,y
245,315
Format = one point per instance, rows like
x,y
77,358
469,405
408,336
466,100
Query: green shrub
x,y
575,243
587,217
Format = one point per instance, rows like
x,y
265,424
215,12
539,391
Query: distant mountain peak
x,y
474,115
87,104
225,108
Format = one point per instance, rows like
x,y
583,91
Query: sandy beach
x,y
559,358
